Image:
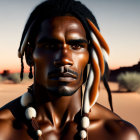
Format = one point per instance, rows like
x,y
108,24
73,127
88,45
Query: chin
x,y
60,90
63,91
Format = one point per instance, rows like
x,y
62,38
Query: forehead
x,y
62,25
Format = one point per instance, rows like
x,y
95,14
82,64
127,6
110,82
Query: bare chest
x,y
70,132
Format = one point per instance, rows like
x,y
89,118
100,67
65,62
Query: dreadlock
x,y
22,68
53,8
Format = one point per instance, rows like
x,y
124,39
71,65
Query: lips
x,y
64,77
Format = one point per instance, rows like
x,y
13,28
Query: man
x,y
58,44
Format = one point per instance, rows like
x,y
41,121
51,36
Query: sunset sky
x,y
119,21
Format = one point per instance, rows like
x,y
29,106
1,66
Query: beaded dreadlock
x,y
98,48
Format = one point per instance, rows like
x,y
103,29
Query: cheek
x,y
41,56
81,60
41,62
38,55
38,59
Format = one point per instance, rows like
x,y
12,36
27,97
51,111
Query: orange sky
x,y
118,20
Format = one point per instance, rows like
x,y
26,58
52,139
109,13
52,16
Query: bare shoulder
x,y
121,130
115,127
5,114
6,119
6,111
11,127
100,112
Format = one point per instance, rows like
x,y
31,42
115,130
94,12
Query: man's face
x,y
60,55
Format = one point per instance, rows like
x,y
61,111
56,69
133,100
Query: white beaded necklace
x,y
30,114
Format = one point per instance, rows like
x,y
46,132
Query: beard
x,y
65,90
57,90
62,91
47,93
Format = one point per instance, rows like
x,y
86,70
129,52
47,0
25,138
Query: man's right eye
x,y
48,46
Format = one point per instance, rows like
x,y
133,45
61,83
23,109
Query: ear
x,y
29,55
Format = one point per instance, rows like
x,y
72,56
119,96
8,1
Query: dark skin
x,y
61,45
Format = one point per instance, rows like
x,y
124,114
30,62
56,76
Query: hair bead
x,y
30,112
39,132
26,99
85,122
83,134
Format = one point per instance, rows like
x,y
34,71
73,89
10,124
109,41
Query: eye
x,y
49,46
77,46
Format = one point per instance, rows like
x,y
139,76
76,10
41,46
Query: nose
x,y
63,57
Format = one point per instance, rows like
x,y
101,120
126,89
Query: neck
x,y
56,110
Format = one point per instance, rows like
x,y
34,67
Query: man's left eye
x,y
77,46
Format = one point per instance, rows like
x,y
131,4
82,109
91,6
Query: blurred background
x,y
119,22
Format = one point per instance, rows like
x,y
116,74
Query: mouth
x,y
63,77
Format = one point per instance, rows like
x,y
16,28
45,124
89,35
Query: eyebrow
x,y
77,41
49,40
54,40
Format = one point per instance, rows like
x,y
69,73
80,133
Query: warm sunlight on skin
x,y
67,71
